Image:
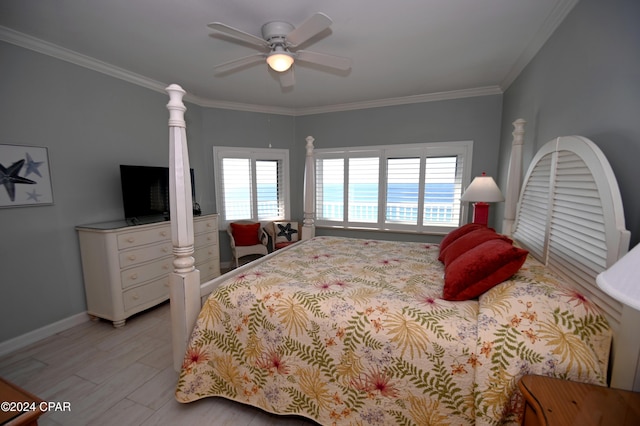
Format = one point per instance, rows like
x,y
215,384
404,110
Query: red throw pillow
x,y
457,233
245,234
469,241
481,268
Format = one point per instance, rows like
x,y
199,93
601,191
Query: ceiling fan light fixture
x,y
280,60
277,38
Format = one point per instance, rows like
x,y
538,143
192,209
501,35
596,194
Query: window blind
x,y
363,189
442,190
269,189
330,189
403,186
236,188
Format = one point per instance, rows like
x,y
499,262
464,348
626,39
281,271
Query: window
x,y
397,187
252,183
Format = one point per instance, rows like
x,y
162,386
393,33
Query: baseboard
x,y
26,339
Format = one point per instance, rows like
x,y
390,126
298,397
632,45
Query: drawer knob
x,y
165,250
135,296
131,240
134,276
132,257
163,233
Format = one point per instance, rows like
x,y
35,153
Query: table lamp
x,y
621,281
482,191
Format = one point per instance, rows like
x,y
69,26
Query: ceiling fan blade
x,y
238,63
331,61
313,25
287,79
238,34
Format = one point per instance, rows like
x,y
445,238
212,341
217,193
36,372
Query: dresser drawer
x,y
139,274
148,236
208,270
206,225
205,239
136,256
205,253
154,291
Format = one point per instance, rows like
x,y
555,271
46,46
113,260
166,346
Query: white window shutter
x,y
330,189
403,189
236,188
442,190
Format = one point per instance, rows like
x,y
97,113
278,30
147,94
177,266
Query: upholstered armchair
x,y
283,233
246,239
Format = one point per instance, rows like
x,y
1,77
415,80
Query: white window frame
x,y
462,149
252,154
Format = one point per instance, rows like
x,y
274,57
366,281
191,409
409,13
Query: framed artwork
x,y
25,176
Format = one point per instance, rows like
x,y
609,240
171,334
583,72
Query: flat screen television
x,y
145,192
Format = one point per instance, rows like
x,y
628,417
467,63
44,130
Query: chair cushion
x,y
245,234
285,232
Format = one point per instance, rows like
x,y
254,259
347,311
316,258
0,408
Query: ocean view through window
x,y
413,187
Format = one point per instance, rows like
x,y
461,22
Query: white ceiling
x,y
402,51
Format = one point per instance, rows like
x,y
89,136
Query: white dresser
x,y
126,268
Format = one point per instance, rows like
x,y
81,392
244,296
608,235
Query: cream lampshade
x,y
622,280
483,190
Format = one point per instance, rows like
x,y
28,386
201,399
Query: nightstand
x,y
554,402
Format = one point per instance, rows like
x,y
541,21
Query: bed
x,y
348,331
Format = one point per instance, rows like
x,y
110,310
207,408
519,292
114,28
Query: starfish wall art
x,y
24,176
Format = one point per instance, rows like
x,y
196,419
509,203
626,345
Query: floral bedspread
x,y
353,332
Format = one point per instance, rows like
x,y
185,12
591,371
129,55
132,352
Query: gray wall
x,y
476,119
90,123
246,129
586,81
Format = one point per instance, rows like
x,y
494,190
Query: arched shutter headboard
x,y
570,217
570,214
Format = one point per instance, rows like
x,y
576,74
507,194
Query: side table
x,y
27,403
556,402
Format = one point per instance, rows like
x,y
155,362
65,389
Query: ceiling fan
x,y
279,44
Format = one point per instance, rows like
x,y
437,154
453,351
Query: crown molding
x,y
553,21
32,43
404,100
208,103
378,103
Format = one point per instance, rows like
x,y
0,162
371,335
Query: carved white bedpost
x,y
514,176
309,228
184,281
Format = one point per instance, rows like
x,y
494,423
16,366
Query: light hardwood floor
x,y
120,377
